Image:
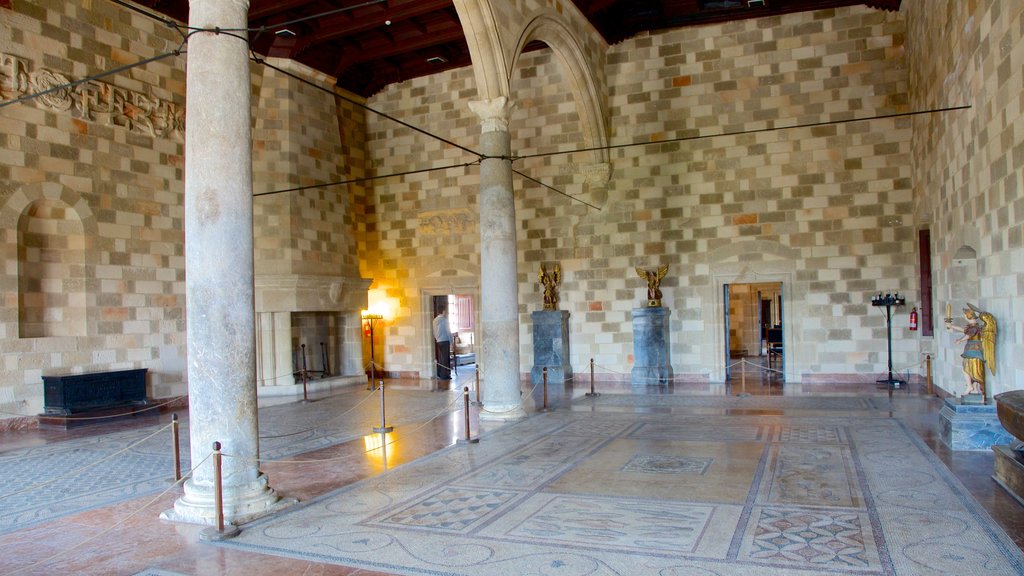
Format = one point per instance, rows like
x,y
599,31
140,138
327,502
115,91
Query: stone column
x,y
499,287
219,271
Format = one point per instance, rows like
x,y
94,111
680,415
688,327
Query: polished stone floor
x,y
128,538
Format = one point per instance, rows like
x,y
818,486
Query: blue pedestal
x,y
971,426
551,347
651,364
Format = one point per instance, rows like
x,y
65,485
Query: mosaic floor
x,y
611,493
687,479
45,482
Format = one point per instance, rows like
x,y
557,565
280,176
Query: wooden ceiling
x,y
368,44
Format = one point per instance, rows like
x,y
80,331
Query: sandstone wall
x,y
823,209
91,194
969,169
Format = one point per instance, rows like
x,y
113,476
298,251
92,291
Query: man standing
x,y
443,344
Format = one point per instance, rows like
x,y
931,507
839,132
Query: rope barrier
x,y
324,424
115,525
86,467
443,411
83,418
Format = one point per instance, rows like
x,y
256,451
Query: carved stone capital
x,y
494,113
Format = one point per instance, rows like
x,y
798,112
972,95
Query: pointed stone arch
x,y
490,67
590,105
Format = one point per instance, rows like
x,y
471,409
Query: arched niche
x,y
51,270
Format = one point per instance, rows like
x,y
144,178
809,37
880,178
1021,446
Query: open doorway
x,y
461,355
753,329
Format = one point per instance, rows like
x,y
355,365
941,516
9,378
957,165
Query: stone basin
x,y
1010,409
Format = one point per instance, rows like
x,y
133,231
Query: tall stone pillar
x,y
219,271
499,287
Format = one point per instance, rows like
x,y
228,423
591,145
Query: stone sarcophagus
x,y
71,394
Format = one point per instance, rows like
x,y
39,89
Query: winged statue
x,y
979,340
550,284
653,278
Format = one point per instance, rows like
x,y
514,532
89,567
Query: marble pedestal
x,y
651,364
1008,471
971,426
551,347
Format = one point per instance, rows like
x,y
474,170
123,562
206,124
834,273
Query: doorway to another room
x,y
754,332
463,349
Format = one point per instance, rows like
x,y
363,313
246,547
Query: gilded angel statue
x,y
550,284
979,338
653,278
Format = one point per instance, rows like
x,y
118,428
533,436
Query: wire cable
x,y
364,179
742,132
72,84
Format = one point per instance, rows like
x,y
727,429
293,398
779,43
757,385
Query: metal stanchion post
x,y
928,372
383,425
743,379
592,394
467,439
177,447
544,373
218,494
218,532
477,402
305,395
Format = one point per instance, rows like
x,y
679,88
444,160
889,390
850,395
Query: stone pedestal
x,y
1008,471
651,347
971,426
551,347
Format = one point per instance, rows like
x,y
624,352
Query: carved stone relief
x,y
92,100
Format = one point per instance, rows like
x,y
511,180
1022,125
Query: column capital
x,y
494,113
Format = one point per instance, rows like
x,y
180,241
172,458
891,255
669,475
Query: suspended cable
x,y
320,15
365,179
741,132
74,83
363,106
532,179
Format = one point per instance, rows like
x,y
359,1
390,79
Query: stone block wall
x,y
969,170
734,196
92,195
296,144
102,161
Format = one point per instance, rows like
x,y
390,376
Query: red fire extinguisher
x,y
913,318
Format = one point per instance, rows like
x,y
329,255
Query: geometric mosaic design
x,y
455,509
812,434
688,431
607,523
811,475
826,539
528,500
661,464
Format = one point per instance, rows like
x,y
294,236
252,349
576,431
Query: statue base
x,y
651,359
971,426
551,348
972,399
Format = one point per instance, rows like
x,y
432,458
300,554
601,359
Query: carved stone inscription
x,y
446,223
92,100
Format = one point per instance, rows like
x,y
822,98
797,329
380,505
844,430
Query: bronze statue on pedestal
x,y
653,278
550,284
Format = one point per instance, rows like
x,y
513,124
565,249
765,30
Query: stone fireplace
x,y
292,310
